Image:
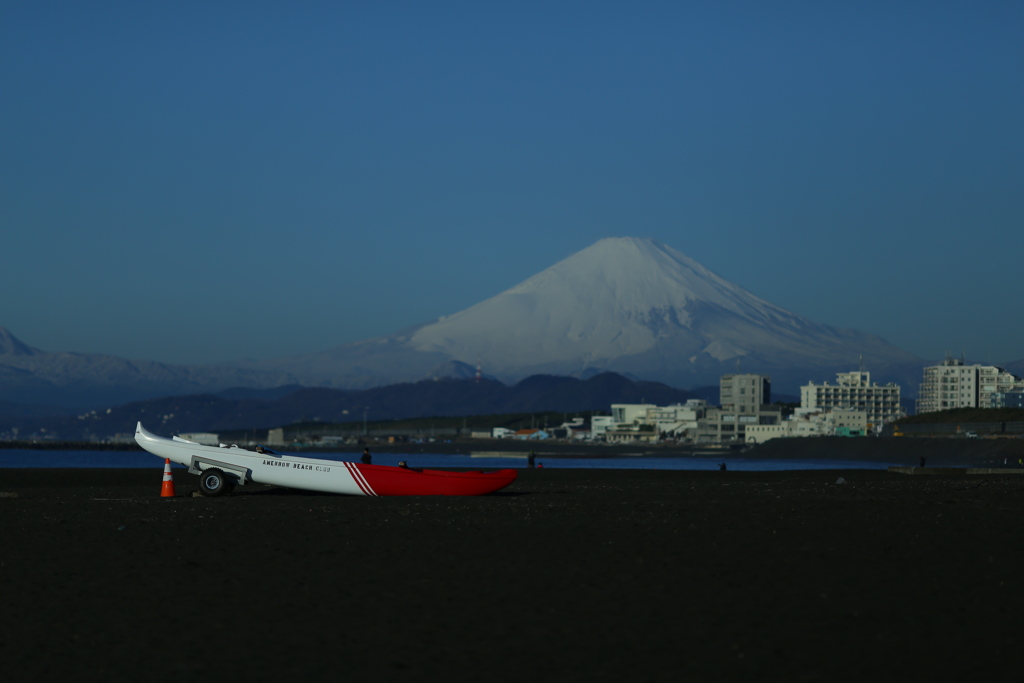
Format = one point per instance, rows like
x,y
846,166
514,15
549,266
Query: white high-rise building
x,y
955,385
854,391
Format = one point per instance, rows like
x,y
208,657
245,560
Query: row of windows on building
x,y
956,385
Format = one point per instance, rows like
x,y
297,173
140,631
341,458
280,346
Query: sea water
x,y
134,459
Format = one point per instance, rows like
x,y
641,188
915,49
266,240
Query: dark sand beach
x,y
566,575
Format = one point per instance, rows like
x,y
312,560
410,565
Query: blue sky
x,y
194,182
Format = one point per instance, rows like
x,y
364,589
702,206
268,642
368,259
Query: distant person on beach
x,y
529,459
366,456
721,467
923,460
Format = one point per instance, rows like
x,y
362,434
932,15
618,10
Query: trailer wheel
x,y
212,482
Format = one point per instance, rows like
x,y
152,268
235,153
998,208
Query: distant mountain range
x,y
624,305
58,382
238,409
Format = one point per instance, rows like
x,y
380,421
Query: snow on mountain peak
x,y
630,273
625,305
615,298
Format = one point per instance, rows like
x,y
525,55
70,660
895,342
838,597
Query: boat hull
x,y
328,476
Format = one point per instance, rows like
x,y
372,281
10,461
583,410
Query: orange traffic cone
x,y
167,490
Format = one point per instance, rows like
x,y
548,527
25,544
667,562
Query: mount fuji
x,y
625,305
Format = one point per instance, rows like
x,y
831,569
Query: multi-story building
x,y
955,385
636,433
744,400
992,381
672,420
628,413
745,393
854,391
806,422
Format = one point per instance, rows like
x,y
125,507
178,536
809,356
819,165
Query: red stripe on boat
x,y
361,482
355,477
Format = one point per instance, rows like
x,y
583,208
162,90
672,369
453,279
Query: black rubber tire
x,y
213,482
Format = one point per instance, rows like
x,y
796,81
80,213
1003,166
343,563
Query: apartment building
x,y
854,391
956,385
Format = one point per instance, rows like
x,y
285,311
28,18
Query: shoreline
x,y
454,447
903,451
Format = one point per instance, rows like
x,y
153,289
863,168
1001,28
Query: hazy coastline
x,y
906,451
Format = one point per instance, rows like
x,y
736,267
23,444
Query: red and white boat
x,y
222,467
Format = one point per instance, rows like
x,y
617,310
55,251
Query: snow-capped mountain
x,y
627,305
